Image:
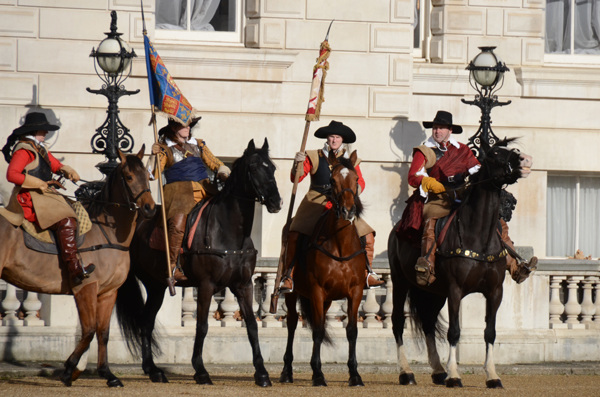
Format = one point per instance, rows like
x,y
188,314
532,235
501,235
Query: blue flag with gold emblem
x,y
164,93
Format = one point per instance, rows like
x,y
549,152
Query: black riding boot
x,y
67,242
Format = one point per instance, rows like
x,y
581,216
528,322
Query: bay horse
x,y
113,213
471,259
332,267
221,255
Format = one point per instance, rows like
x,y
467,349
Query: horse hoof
x,y
262,380
407,379
286,377
355,381
158,377
114,383
494,384
202,379
319,381
438,379
454,382
65,378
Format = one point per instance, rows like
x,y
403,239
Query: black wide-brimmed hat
x,y
34,121
444,118
173,122
337,128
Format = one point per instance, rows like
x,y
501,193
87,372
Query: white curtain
x,y
561,216
586,28
589,216
172,14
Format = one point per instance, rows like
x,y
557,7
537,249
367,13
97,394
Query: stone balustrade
x,y
571,289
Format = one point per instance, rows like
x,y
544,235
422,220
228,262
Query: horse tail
x,y
130,305
307,314
425,313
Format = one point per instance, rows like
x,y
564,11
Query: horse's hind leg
x,y
492,305
453,379
86,301
351,335
205,293
106,302
244,297
287,373
407,376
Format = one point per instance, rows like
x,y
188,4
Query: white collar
x,y
32,138
170,143
432,143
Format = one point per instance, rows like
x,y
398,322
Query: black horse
x,y
470,259
222,255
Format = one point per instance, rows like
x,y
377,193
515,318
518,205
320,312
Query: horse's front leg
x,y
106,304
453,379
318,333
155,297
352,335
205,293
407,376
86,302
287,373
491,308
244,297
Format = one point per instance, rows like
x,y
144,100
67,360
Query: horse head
x,y
344,186
136,184
504,166
261,176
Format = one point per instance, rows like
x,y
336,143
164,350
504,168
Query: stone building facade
x,y
253,83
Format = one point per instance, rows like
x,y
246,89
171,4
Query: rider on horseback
x,y
315,202
184,161
30,168
439,167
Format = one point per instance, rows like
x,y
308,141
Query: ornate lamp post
x,y
114,58
486,71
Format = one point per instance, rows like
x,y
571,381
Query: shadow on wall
x,y
404,136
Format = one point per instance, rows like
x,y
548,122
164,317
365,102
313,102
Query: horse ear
x,y
121,156
353,157
265,145
251,145
141,152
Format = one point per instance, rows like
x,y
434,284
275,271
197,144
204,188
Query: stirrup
x,y
87,270
423,271
376,284
285,290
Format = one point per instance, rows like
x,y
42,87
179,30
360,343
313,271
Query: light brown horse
x,y
113,213
333,267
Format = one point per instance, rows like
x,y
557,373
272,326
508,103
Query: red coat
x,y
14,174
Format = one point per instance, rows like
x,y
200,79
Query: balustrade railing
x,y
573,302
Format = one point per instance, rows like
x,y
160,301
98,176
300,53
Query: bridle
x,y
336,198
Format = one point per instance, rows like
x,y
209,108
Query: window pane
x,y
205,15
589,216
560,216
586,27
558,26
417,25
171,14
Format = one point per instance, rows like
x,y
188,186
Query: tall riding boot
x,y
65,230
372,280
287,282
425,266
519,270
176,231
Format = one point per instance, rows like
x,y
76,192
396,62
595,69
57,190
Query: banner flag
x,y
165,96
318,83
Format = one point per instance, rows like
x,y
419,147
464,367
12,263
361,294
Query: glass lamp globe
x,y
109,55
484,71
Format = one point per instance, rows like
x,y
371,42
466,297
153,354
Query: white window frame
x,y
572,58
424,30
206,38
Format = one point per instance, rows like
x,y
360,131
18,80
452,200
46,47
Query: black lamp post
x,y
486,71
114,58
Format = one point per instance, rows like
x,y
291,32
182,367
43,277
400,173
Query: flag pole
x,y
170,280
312,114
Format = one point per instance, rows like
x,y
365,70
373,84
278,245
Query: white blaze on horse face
x,y
345,172
526,162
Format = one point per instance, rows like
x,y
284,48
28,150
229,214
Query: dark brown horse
x,y
471,259
113,214
222,256
332,268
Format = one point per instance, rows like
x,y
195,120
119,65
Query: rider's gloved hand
x,y
300,157
70,173
431,185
